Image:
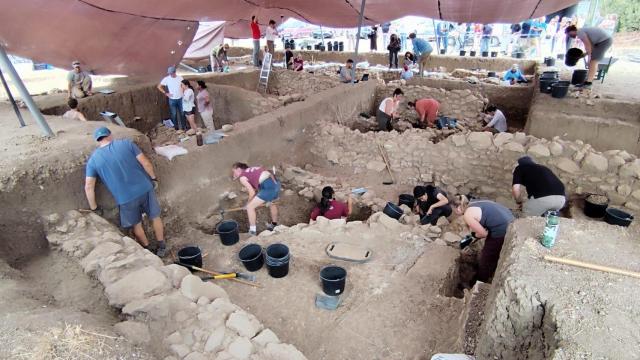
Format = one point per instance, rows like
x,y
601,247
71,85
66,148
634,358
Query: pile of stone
x,y
195,319
482,163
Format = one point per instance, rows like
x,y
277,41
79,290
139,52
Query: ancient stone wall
x,y
164,307
482,163
460,104
287,82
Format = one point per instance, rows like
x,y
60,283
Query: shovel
x,y
234,278
386,163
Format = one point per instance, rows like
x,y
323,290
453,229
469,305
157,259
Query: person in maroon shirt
x,y
331,208
262,187
255,34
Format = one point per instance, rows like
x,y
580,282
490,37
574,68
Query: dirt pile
x,y
287,82
165,307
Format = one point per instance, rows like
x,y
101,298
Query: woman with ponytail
x,y
489,220
331,208
188,106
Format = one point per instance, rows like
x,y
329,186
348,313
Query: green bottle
x,y
548,238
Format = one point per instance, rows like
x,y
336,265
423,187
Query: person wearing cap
x,y
218,57
131,180
79,82
545,190
596,43
514,75
171,87
421,50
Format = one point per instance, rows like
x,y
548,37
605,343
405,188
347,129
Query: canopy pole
x,y
322,37
355,60
24,94
12,100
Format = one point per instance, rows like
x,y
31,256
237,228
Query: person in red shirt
x,y
263,188
255,34
331,208
427,109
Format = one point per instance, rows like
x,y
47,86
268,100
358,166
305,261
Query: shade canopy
x,y
140,37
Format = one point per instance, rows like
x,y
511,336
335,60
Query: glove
x,y
98,210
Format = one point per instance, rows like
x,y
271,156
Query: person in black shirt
x,y
546,192
431,204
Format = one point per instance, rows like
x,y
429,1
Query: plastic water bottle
x,y
548,238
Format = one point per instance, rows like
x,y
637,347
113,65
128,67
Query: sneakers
x,y
271,226
253,232
161,251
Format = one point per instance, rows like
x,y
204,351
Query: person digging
x,y
131,180
431,204
263,188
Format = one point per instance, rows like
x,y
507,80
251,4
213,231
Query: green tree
x,y
628,12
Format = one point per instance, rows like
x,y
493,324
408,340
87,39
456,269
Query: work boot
x,y
271,226
161,251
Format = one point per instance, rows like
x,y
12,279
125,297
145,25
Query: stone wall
x,y
482,163
164,307
287,82
460,104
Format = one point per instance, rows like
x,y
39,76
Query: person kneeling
x,y
546,191
498,122
331,208
431,204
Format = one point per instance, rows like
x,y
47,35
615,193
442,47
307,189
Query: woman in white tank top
x,y
388,110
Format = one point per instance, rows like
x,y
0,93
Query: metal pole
x,y
322,37
24,94
12,100
355,60
435,32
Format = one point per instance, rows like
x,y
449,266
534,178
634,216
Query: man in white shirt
x,y
271,36
498,122
170,87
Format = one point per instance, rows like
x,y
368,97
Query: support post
x,y
355,60
24,94
11,99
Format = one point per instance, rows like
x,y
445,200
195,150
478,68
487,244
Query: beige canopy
x,y
137,37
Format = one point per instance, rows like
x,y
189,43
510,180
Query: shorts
x,y
131,212
269,190
599,49
192,112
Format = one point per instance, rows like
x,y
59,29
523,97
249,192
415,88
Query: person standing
x,y
373,36
189,106
205,108
497,122
431,204
427,110
262,187
545,190
388,110
271,35
255,35
394,47
171,87
596,43
421,50
488,220
485,41
442,35
131,180
331,208
79,82
385,33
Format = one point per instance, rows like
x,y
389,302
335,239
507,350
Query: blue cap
x,y
171,70
100,133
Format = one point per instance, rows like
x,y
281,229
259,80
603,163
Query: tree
x,y
628,12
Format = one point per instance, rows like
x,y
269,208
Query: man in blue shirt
x,y
422,50
514,75
442,35
129,176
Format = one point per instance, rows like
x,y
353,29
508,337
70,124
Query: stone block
x,y
181,350
555,148
135,332
241,348
595,163
193,288
91,262
138,284
265,337
244,324
502,138
631,169
459,140
539,151
281,352
480,140
513,146
214,342
176,273
451,238
567,165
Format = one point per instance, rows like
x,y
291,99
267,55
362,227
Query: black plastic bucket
x,y
228,231
494,54
406,199
549,75
472,53
190,255
333,280
617,217
463,52
572,56
491,74
593,210
485,54
519,55
252,257
393,211
545,85
559,89
560,56
579,77
549,61
443,51
277,259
